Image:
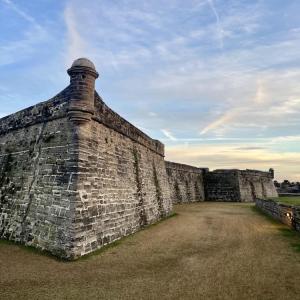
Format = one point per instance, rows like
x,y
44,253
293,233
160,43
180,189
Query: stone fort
x,y
75,176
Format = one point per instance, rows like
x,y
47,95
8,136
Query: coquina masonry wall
x,y
239,185
256,184
186,182
122,183
222,185
75,176
37,155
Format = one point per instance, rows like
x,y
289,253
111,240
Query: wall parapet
x,y
256,173
54,108
284,213
106,116
57,107
184,167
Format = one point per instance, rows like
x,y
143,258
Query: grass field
x,y
208,251
288,200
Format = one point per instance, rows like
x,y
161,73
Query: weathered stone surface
x,y
222,185
75,176
238,185
256,184
122,187
186,182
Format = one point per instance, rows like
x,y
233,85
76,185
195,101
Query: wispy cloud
x,y
17,49
209,73
76,45
168,134
229,156
219,26
22,13
226,118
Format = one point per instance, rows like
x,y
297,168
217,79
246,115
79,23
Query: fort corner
x,y
74,175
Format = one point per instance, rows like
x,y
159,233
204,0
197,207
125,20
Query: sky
x,y
217,81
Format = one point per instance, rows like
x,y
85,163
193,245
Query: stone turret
x,y
271,171
82,90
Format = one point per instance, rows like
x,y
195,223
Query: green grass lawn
x,y
288,200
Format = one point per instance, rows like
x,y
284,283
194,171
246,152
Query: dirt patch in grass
x,y
209,251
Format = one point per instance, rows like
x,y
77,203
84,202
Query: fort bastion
x,y
75,176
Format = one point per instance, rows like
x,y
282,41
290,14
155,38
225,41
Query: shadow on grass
x,y
114,244
292,235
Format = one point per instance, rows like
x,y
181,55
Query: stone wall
x,y
238,185
256,184
35,176
122,185
186,182
75,176
222,185
287,214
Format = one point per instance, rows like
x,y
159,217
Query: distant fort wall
x,y
192,184
256,184
222,185
74,175
186,182
239,185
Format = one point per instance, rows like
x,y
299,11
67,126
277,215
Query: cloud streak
x,y
76,45
22,13
219,26
168,134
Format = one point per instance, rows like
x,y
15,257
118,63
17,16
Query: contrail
x,y
22,13
220,29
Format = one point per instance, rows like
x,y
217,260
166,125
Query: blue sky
x,y
217,81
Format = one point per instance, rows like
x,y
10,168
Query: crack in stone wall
x,y
37,148
158,193
139,186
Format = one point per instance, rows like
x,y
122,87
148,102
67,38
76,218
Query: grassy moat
x,y
291,200
208,251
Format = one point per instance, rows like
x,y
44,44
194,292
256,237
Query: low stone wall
x,y
186,182
286,214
